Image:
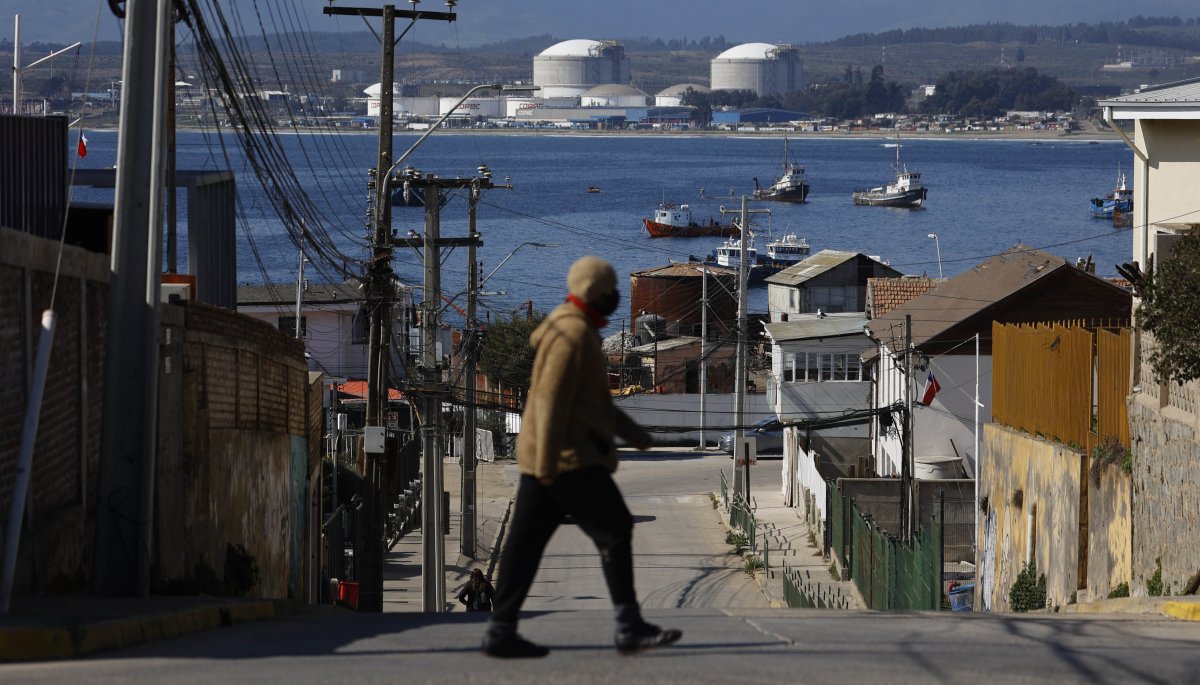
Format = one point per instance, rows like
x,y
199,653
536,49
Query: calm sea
x,y
984,196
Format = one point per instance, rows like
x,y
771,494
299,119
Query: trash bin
x,y
962,598
348,594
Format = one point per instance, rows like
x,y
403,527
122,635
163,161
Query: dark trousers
x,y
591,497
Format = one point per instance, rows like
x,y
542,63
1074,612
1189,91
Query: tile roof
x,y
885,294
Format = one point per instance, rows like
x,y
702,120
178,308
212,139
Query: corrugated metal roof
x,y
328,293
813,326
811,266
1177,93
664,345
690,269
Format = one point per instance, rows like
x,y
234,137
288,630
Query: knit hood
x,y
591,278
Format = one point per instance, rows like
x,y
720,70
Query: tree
x,y
1170,309
507,356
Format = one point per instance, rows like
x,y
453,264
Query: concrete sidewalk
x,y
788,545
62,627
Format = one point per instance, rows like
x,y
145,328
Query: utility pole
x,y
703,353
433,576
467,497
124,518
379,287
741,482
300,291
906,470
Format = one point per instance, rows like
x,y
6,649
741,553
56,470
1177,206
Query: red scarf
x,y
593,316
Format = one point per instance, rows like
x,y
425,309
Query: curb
x,y
1188,611
83,638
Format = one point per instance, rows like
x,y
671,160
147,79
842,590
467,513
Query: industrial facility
x,y
573,67
763,68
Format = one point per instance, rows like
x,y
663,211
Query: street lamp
x,y
17,68
509,256
938,246
501,87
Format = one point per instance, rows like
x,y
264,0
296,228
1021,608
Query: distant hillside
x,y
1154,32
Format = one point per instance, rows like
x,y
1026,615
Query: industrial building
x,y
614,95
673,95
573,67
756,116
763,68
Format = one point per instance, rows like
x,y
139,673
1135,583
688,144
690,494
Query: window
x,y
793,300
814,367
360,327
287,324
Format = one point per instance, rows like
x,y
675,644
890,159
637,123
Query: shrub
x,y
1121,590
1029,591
1154,584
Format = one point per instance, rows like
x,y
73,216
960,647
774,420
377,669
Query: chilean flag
x,y
932,387
82,148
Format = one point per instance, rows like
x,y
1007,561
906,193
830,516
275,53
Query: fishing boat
x,y
675,221
1118,203
593,189
780,254
791,186
906,191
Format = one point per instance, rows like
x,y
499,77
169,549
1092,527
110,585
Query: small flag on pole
x,y
82,148
932,387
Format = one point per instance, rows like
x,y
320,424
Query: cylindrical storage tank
x,y
473,107
572,67
673,96
514,105
763,68
614,95
675,292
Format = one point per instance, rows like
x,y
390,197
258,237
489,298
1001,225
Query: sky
x,y
485,21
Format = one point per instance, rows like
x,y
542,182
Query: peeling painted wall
x,y
1110,530
1047,476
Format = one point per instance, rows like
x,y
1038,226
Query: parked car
x,y
768,434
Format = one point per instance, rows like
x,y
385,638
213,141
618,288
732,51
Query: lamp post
x,y
17,68
938,247
510,255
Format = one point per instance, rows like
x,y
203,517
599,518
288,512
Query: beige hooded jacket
x,y
570,420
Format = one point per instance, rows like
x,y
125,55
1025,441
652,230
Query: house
x,y
830,281
1164,416
885,294
948,324
333,322
672,366
817,373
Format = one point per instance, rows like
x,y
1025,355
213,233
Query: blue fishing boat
x,y
1119,201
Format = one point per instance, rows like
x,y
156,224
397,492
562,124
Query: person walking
x,y
477,594
566,454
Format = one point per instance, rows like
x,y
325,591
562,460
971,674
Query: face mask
x,y
607,304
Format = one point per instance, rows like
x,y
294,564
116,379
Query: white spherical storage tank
x,y
760,67
572,67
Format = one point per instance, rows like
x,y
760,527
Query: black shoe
x,y
645,636
512,647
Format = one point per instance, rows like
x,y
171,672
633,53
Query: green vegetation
x,y
1110,452
1154,584
1028,592
1121,590
753,564
738,540
994,92
507,357
1170,293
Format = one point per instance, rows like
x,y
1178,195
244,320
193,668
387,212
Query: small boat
x,y
785,252
791,186
1118,203
675,221
593,189
905,191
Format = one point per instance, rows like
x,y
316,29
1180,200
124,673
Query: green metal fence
x,y
889,573
724,490
793,593
742,518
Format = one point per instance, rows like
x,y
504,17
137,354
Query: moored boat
x,y
1118,203
792,186
675,221
780,254
906,191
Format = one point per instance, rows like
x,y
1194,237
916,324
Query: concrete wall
x,y
1041,524
1110,529
246,436
56,547
1166,492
